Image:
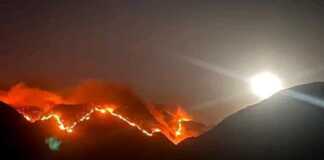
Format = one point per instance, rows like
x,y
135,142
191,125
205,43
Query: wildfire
x,y
106,110
179,130
38,105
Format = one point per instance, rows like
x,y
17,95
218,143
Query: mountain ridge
x,y
281,127
285,126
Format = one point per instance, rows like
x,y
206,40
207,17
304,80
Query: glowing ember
x,y
28,118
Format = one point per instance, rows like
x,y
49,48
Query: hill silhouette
x,y
19,139
289,125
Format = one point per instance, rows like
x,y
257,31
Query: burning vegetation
x,y
76,105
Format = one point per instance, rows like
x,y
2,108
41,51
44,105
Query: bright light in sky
x,y
265,84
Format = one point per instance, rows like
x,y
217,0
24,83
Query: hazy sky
x,y
153,46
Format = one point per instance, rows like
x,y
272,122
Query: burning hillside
x,y
76,105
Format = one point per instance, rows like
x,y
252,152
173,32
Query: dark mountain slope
x,y
18,138
102,137
289,125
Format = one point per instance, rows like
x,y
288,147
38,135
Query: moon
x,y
265,84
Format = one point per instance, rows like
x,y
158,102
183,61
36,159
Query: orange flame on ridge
x,y
104,110
21,96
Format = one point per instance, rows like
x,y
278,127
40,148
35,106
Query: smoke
x,y
34,103
86,92
94,91
21,95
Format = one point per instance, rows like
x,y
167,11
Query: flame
x,y
105,110
178,132
168,122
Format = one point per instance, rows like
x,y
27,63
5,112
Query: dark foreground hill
x,y
289,125
20,139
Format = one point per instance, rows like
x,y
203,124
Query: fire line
x,y
107,110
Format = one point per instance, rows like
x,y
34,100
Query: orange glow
x,y
105,110
39,105
22,95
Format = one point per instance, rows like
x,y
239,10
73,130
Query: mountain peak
x,y
285,126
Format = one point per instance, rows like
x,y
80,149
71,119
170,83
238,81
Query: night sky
x,y
156,46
